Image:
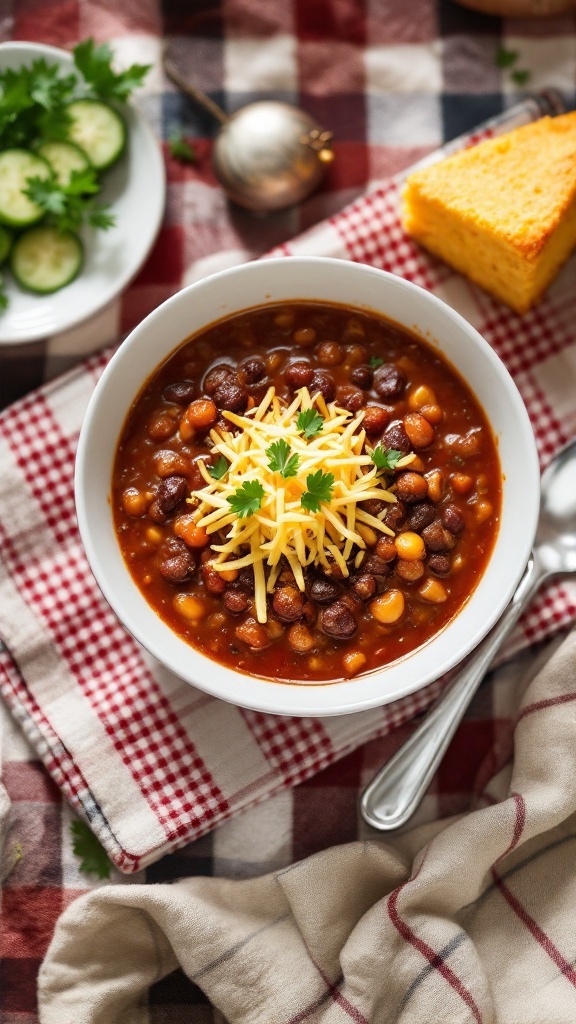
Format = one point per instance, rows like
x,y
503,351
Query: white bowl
x,y
346,283
135,188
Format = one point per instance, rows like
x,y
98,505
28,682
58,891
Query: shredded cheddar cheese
x,y
282,526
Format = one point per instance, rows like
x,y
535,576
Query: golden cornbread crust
x,y
502,212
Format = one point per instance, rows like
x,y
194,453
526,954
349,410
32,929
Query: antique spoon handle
x,y
393,795
183,84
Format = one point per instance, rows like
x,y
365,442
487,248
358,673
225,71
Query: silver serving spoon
x,y
393,795
267,155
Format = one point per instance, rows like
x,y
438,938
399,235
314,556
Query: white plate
x,y
136,189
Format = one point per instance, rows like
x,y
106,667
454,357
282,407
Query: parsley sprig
x,y
310,422
219,469
375,362
180,148
95,65
86,846
385,458
72,205
281,460
246,499
319,486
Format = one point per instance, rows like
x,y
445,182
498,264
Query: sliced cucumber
x,y
43,259
16,166
6,239
99,130
64,158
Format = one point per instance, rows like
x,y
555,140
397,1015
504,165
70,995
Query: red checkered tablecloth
x,y
393,85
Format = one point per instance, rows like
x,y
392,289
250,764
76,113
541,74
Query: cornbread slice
x,y
502,212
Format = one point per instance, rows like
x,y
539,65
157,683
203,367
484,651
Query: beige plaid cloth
x,y
469,919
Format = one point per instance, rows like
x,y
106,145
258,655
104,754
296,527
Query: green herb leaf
x,y
385,458
280,459
247,499
521,77
72,205
504,58
310,423
219,469
180,149
375,362
3,296
95,65
93,856
319,489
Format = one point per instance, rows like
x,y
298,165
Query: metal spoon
x,y
394,793
267,155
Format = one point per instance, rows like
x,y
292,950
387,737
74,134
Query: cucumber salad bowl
x,y
78,164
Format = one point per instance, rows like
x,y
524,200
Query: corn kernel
x,y
432,591
409,546
274,629
421,396
189,607
458,563
482,510
154,535
388,607
435,485
353,662
229,575
461,483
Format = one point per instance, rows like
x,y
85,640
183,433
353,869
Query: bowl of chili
x,y
307,486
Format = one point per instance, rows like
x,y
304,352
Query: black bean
x,y
323,382
323,591
362,376
182,392
236,601
396,437
453,519
170,492
349,397
337,620
288,603
231,395
244,581
421,515
364,586
156,514
251,370
439,564
395,515
299,375
388,381
374,506
437,538
176,562
376,566
215,377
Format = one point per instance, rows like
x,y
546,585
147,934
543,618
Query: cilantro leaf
x,y
95,65
319,486
310,423
70,206
93,856
385,458
180,149
520,77
280,459
246,499
219,469
375,362
504,58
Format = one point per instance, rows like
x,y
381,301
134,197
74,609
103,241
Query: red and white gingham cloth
x,y
148,761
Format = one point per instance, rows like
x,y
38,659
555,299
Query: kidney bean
x,y
181,392
161,426
323,591
395,515
375,419
299,375
156,514
215,377
420,431
231,395
338,621
439,564
349,397
386,549
396,437
376,566
374,506
452,518
421,515
437,538
251,370
388,381
236,601
170,492
288,603
362,376
213,580
175,561
364,586
411,487
323,382
329,353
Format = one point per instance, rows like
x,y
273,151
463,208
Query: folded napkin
x,y
147,760
464,920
